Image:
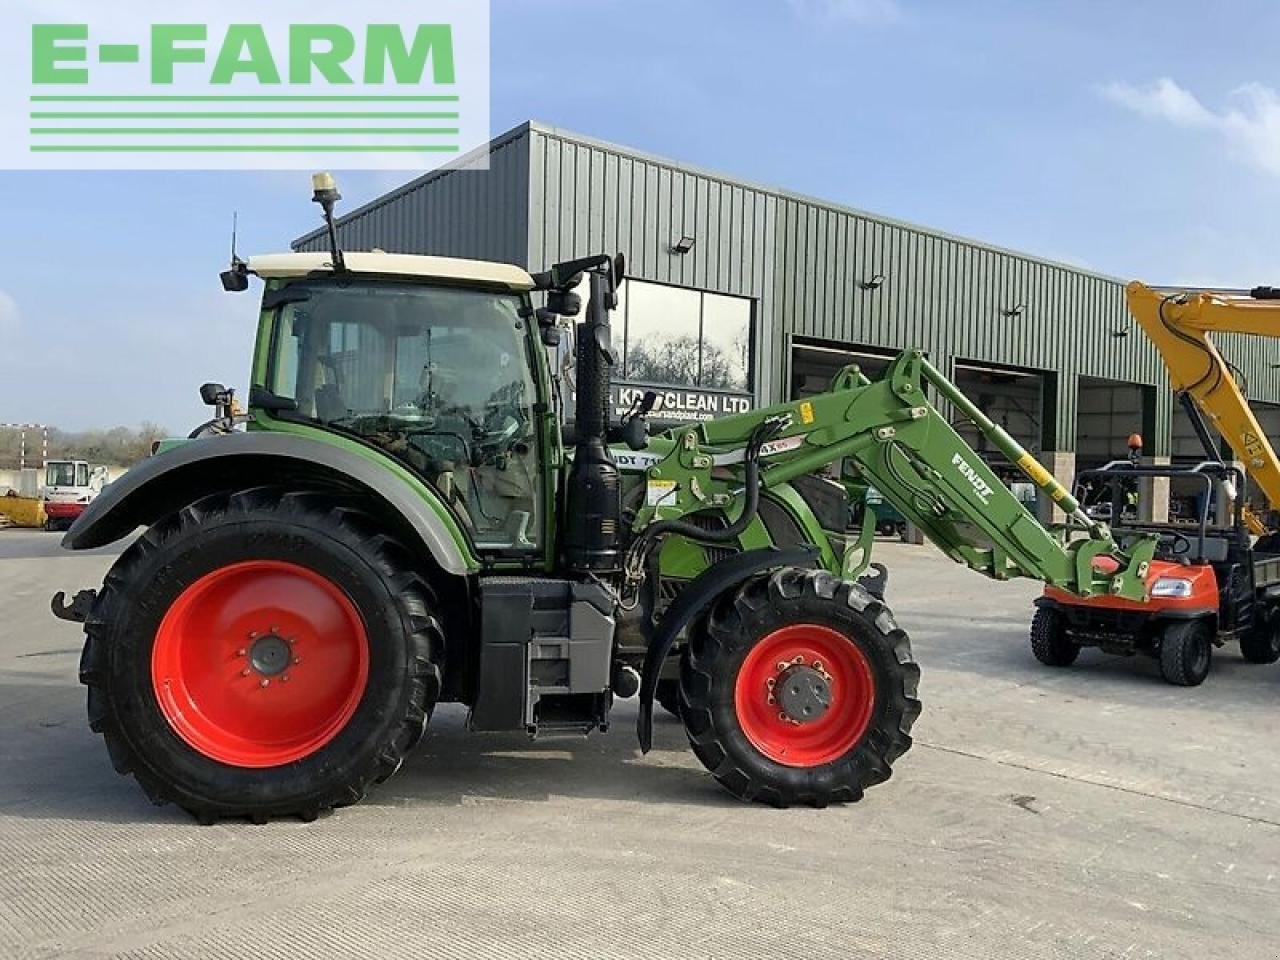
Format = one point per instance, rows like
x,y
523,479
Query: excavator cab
x,y
1206,584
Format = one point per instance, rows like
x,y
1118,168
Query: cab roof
x,y
410,266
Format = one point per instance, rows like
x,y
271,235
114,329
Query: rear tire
x,y
728,705
186,710
1263,645
1186,652
1049,640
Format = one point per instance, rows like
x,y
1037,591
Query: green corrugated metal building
x,y
747,294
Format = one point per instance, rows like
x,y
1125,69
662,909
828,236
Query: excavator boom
x,y
1179,323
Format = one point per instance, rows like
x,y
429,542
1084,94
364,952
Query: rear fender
x,y
185,473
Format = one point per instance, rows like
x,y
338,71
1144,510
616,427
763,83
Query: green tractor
x,y
404,517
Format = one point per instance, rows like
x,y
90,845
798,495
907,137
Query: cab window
x,y
438,378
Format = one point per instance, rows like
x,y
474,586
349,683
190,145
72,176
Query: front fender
x,y
695,598
185,473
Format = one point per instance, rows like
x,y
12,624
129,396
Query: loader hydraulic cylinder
x,y
1014,451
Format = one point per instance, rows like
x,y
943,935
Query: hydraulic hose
x,y
751,489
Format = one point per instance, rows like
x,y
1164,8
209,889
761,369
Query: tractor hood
x,y
410,267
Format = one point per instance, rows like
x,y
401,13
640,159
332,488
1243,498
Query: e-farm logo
x,y
285,85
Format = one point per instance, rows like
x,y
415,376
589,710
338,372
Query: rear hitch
x,y
77,611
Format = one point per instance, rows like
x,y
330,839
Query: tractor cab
x,y
439,377
1205,585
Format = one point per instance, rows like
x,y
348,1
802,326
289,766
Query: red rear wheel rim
x,y
851,685
260,663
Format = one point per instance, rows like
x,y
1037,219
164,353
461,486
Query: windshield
x,y
437,377
60,474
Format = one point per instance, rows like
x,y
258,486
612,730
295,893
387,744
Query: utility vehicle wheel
x,y
668,696
1186,652
1049,639
799,687
1263,645
262,654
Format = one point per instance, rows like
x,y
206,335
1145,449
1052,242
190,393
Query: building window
x,y
688,338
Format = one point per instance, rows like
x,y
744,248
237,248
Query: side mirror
x,y
566,303
212,394
619,270
547,319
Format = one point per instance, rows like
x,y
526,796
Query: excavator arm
x,y
1179,323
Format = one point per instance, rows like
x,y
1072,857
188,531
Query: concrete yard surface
x,y
1086,812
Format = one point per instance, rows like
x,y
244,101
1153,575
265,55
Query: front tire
x,y
1186,652
262,654
1049,640
838,663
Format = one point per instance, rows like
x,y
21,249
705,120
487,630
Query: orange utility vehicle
x,y
1209,583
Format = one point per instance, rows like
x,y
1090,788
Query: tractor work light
x,y
325,188
1171,587
684,245
874,283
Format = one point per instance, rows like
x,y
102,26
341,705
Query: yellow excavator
x,y
1179,321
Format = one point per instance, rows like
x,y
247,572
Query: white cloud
x,y
10,319
1250,125
858,11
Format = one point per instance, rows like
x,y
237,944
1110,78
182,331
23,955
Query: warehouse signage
x,y
679,404
145,84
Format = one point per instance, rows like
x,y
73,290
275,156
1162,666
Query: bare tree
x,y
118,446
682,360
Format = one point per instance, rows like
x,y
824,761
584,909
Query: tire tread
x,y
341,522
737,614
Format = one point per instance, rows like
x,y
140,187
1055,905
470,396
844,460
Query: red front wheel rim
x,y
260,663
831,661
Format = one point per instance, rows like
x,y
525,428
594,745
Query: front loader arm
x,y
1179,324
907,449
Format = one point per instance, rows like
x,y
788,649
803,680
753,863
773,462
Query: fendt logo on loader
x,y
980,486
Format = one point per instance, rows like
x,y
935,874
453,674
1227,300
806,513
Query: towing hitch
x,y
77,611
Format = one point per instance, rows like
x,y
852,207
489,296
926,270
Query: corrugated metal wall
x,y
480,214
552,195
948,296
588,198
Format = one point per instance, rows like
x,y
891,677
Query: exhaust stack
x,y
593,525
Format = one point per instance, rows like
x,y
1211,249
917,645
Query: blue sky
x,y
1140,139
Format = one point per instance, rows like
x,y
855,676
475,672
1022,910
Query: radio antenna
x,y
235,279
235,229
